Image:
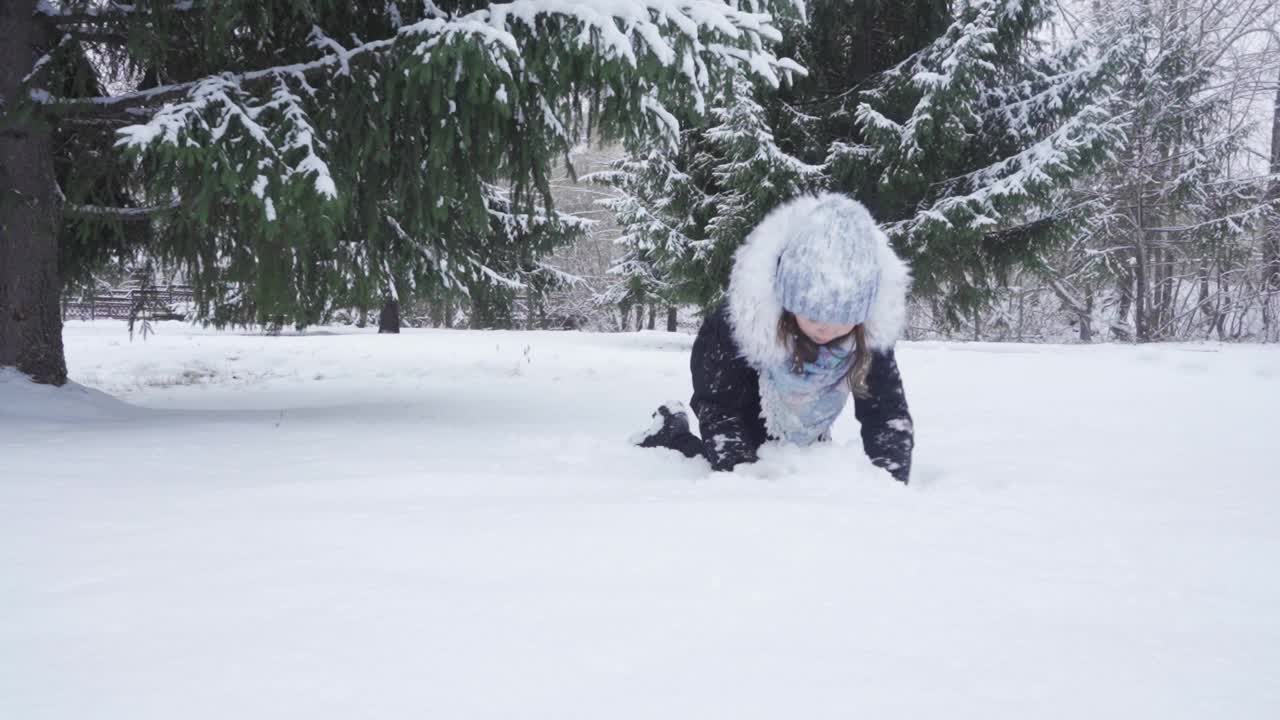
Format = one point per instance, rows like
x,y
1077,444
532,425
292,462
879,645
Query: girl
x,y
816,300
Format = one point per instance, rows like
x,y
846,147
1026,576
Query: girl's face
x,y
821,333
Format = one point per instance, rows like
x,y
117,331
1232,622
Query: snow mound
x,y
23,400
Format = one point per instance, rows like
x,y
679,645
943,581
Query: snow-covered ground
x,y
450,525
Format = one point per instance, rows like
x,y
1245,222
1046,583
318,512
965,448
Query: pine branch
x,y
1067,296
106,121
44,65
493,25
97,36
112,13
120,214
98,106
1244,215
151,97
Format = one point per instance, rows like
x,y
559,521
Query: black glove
x,y
900,472
725,454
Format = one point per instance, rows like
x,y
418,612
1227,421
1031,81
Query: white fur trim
x,y
888,317
754,307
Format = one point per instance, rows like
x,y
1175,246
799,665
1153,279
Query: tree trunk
x,y
1140,290
1168,293
1222,310
653,316
1267,322
1203,306
1122,313
639,317
1022,314
30,215
671,319
1155,312
389,318
1086,321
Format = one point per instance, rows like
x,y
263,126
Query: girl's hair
x,y
804,350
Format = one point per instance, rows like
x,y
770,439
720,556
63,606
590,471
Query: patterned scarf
x,y
801,407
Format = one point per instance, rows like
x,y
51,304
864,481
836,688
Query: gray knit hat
x,y
829,270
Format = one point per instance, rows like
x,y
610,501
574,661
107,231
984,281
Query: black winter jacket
x,y
726,399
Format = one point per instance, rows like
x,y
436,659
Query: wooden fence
x,y
158,303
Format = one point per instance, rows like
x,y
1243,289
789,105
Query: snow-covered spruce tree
x,y
750,176
297,156
502,264
845,45
686,209
661,211
961,148
951,121
576,300
510,264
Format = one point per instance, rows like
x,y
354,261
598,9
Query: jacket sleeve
x,y
725,390
887,433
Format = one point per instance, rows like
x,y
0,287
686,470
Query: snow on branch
x,y
217,108
217,94
111,11
495,276
946,73
562,278
123,214
259,113
599,22
1017,175
299,135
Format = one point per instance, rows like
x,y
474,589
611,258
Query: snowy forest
x,y
1053,171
